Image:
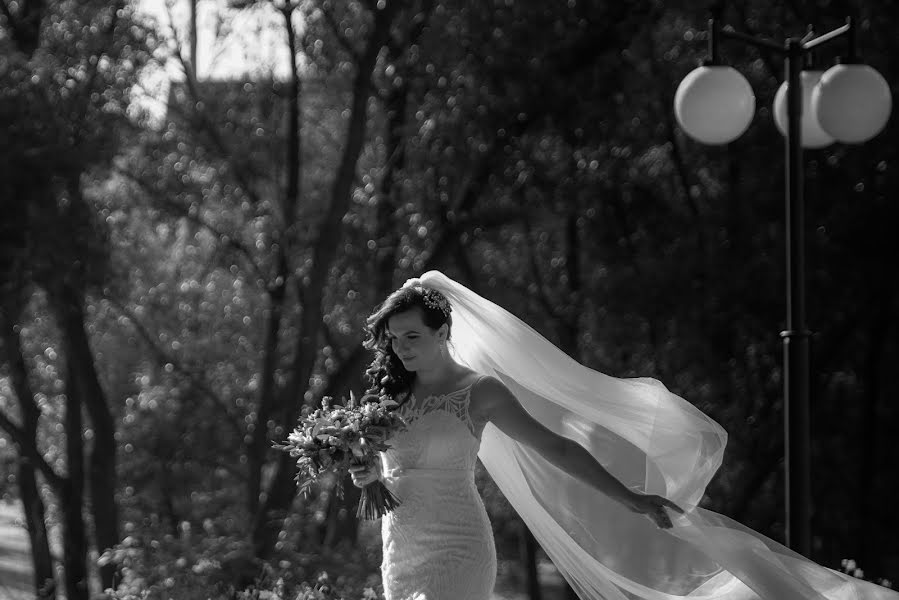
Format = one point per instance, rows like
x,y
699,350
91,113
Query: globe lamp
x,y
852,102
714,104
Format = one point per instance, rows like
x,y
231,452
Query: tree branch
x,y
25,435
95,67
294,155
419,21
331,340
335,29
28,448
204,121
14,431
182,211
164,358
25,27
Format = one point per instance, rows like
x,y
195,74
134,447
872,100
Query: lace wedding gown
x,y
438,545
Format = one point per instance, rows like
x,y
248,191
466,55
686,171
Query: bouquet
x,y
332,438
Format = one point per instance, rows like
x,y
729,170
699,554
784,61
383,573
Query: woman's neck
x,y
435,375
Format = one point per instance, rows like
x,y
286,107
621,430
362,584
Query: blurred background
x,y
202,200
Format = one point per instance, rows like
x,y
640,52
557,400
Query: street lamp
x,y
849,103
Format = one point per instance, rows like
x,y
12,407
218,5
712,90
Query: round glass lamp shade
x,y
852,102
813,136
714,104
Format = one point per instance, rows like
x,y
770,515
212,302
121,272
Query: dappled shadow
x,y
15,562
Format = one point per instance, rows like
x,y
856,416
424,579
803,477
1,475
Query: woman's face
x,y
416,344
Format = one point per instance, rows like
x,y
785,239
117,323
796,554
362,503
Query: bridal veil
x,y
653,441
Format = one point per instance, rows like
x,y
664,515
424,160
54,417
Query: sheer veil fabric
x,y
652,440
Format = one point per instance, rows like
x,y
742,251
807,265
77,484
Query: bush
x,y
850,567
218,564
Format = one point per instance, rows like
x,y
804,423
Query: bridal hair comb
x,y
431,297
435,300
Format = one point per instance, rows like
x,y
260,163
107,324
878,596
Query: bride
x,y
597,467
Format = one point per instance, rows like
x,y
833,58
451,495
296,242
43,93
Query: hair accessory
x,y
435,300
431,297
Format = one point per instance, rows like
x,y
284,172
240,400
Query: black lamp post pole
x,y
797,463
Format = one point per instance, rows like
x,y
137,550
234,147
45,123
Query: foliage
x,y
526,149
212,562
63,108
850,567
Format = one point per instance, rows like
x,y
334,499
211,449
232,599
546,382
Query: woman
x,y
583,458
438,544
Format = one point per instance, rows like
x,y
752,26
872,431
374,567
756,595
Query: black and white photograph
x,y
449,300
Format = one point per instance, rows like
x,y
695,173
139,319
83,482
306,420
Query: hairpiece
x,y
431,297
435,300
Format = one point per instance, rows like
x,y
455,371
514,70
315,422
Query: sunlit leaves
x,y
523,144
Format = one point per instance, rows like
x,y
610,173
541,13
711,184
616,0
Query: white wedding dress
x,y
438,545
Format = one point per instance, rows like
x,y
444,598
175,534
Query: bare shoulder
x,y
489,394
493,402
468,376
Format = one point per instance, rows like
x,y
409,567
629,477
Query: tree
x,y
62,106
227,260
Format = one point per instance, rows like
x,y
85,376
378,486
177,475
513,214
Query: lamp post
x,y
851,103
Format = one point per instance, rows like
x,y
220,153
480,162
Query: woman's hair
x,y
386,374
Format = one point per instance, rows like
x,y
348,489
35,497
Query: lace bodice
x,y
438,545
440,435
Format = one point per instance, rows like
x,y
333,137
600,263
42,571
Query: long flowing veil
x,y
652,440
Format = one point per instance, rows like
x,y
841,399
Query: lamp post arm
x,y
752,40
827,37
716,30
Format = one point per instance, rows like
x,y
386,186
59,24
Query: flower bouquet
x,y
332,438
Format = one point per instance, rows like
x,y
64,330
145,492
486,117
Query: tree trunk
x,y
72,496
528,548
337,528
341,523
193,40
35,514
260,446
102,482
35,519
102,473
74,546
282,491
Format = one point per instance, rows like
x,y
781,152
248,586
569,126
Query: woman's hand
x,y
362,475
654,507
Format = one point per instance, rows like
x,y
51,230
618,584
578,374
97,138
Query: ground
x,y
15,555
15,561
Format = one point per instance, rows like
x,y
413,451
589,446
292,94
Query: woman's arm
x,y
499,406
